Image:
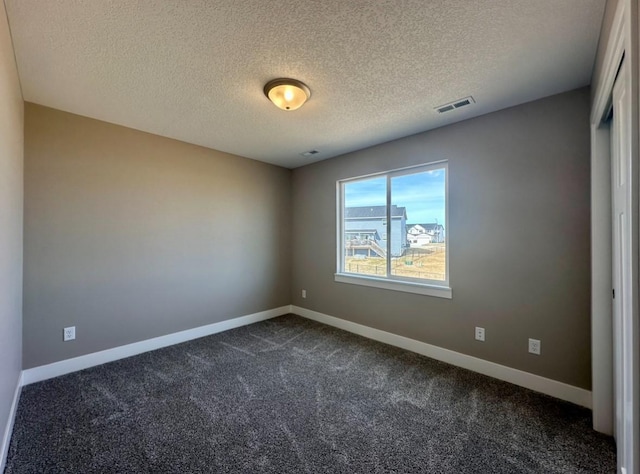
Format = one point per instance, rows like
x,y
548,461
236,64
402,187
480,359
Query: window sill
x,y
395,285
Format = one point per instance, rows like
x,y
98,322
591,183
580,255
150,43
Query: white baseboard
x,y
560,390
6,438
67,366
534,382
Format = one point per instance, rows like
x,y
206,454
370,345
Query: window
x,y
404,215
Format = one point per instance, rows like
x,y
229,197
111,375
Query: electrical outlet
x,y
69,334
479,334
304,293
534,346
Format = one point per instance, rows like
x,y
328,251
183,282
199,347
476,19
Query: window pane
x,y
365,230
418,225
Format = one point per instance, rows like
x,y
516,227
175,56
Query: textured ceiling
x,y
194,69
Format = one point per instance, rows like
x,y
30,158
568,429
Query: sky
x,y
423,194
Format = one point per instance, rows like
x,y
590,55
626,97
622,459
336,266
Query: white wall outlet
x,y
69,334
479,334
534,346
304,293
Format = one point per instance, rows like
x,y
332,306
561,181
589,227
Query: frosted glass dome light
x,y
287,94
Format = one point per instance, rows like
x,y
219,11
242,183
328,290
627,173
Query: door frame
x,y
621,42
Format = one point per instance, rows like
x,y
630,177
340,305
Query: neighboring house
x,y
363,235
369,223
421,234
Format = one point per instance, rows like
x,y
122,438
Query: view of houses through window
x,y
393,225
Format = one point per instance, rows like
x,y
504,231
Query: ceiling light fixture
x,y
287,94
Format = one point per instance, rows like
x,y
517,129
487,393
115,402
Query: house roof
x,y
369,212
428,227
195,70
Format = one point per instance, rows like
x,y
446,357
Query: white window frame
x,y
441,289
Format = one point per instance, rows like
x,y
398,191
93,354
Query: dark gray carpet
x,y
290,396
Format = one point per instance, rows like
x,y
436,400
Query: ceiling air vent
x,y
456,104
310,153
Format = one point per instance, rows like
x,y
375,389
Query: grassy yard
x,y
427,262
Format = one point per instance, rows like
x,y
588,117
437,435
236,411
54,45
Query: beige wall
x,y
129,235
11,200
519,238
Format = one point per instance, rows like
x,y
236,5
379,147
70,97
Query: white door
x,y
625,379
